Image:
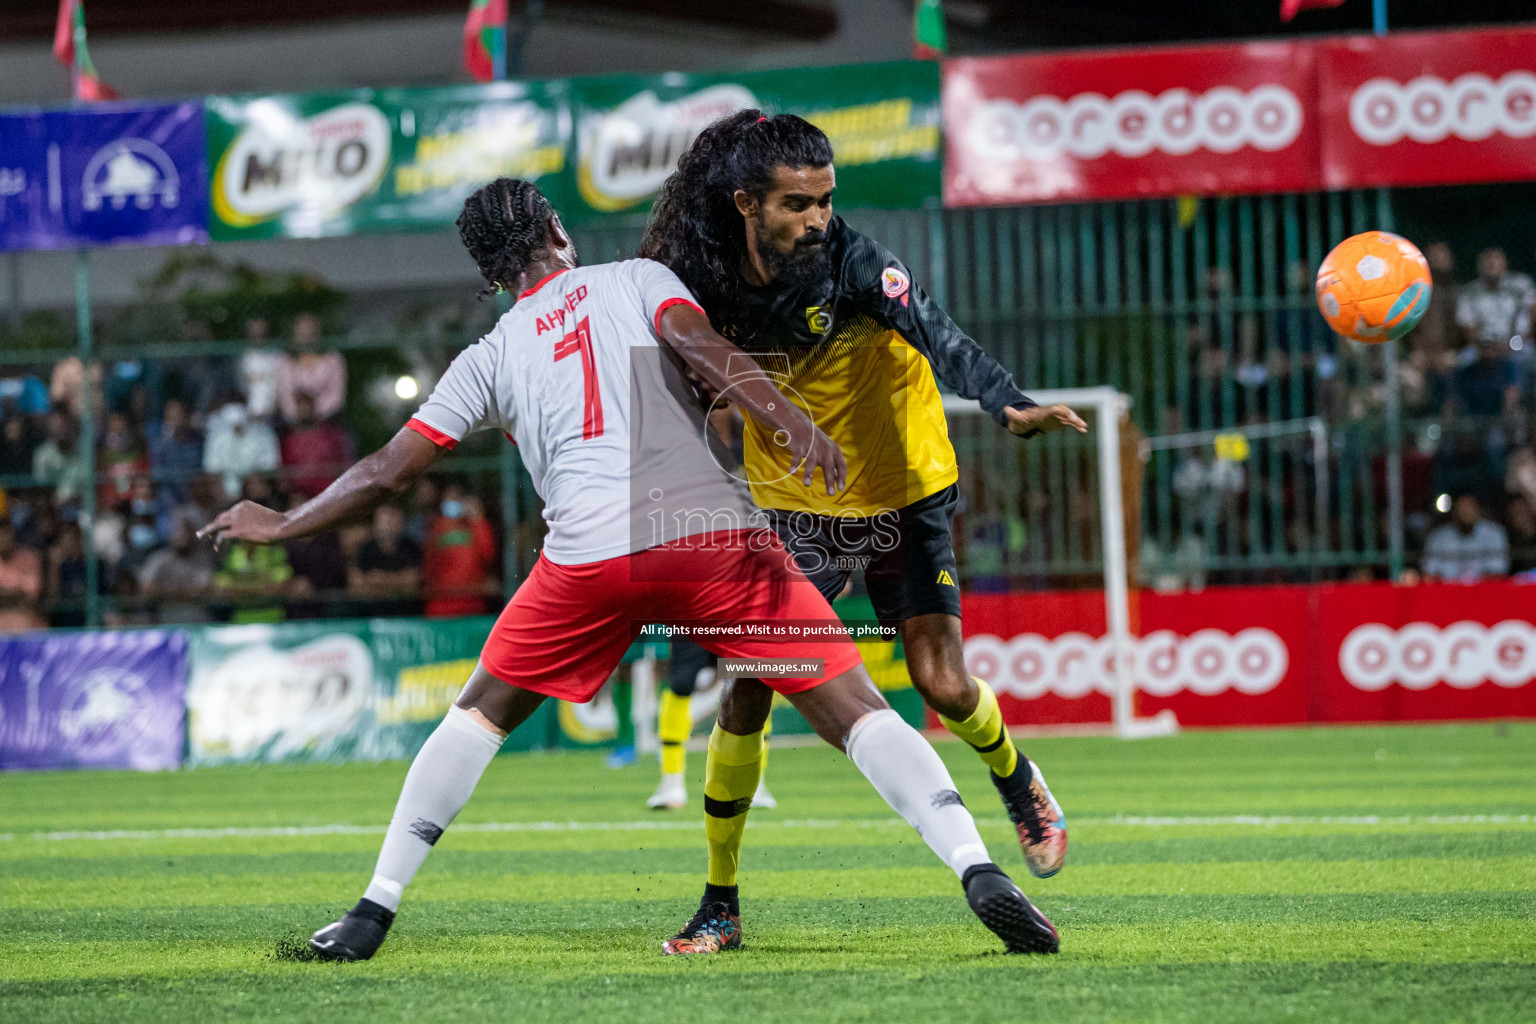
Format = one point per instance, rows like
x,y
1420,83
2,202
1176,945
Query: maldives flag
x,y
70,49
1290,8
485,34
929,39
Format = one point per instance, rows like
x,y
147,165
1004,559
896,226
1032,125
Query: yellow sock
x,y
763,761
985,731
731,774
672,728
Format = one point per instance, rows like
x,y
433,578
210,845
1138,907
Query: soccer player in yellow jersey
x,y
746,222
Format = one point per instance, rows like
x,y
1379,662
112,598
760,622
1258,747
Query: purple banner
x,y
120,173
93,700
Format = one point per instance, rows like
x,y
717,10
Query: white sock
x,y
907,772
436,788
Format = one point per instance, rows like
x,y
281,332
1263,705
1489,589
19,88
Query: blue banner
x,y
93,700
107,175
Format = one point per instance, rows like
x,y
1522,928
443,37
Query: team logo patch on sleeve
x,y
895,283
818,319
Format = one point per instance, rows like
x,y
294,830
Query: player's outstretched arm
x,y
355,494
1043,419
722,365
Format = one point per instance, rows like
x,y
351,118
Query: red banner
x,y
1428,108
1420,108
1129,123
1266,655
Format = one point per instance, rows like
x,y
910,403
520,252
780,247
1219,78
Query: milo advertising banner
x,y
882,119
323,164
359,689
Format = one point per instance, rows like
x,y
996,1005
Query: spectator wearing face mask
x,y
141,533
237,447
1468,548
320,375
460,558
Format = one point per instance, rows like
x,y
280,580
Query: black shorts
x,y
907,554
686,660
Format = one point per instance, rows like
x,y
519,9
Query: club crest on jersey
x,y
818,319
895,284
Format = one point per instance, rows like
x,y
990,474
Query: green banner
x,y
882,120
322,164
315,165
358,689
353,689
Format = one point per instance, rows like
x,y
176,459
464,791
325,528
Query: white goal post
x,y
1105,405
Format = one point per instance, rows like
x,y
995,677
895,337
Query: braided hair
x,y
695,228
503,225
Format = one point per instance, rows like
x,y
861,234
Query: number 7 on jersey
x,y
580,340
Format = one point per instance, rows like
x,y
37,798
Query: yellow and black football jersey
x,y
863,355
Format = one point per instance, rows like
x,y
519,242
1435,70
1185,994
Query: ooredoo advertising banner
x,y
321,164
1265,655
121,173
882,121
1129,123
1428,108
93,700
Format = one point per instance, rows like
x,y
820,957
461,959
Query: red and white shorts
x,y
567,627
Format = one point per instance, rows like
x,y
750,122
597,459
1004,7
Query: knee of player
x,y
949,692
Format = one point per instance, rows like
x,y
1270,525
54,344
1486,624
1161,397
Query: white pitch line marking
x,y
1255,821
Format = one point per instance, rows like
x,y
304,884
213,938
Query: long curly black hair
x,y
695,227
503,225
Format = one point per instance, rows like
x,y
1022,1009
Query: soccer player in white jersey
x,y
586,374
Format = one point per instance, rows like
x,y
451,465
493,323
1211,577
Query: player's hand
x,y
809,450
245,521
1044,418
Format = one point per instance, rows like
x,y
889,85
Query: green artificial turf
x,y
1362,875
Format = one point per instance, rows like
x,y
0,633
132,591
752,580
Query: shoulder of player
x,y
866,270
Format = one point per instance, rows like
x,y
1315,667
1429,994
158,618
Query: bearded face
x,y
787,229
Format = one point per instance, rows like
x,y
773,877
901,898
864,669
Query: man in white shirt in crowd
x,y
1497,306
238,446
1468,548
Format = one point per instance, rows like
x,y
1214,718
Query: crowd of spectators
x,y
1469,386
176,442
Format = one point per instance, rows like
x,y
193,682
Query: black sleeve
x,y
884,286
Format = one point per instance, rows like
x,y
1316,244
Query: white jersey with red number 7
x,y
617,446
